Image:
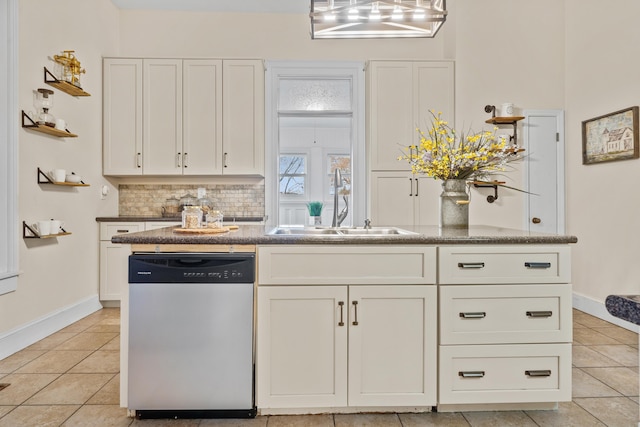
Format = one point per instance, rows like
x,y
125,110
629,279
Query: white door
x,y
302,347
544,170
392,345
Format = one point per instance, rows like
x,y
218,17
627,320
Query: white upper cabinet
x,y
401,94
162,117
122,116
202,116
243,117
181,117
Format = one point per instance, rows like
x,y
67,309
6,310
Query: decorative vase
x,y
454,204
315,220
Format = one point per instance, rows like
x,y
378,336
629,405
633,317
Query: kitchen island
x,y
473,319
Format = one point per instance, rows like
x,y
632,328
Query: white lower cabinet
x,y
346,326
114,257
114,269
339,346
505,326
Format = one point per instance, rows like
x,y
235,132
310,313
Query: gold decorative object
x,y
70,67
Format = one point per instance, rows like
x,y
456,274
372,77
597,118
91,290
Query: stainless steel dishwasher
x,y
191,335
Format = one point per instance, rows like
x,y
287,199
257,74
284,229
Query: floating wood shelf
x,y
43,178
504,120
29,233
31,125
62,85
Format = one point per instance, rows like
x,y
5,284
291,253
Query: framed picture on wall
x,y
611,137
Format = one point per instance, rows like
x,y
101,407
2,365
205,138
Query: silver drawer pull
x,y
471,264
471,374
473,315
539,313
541,373
537,264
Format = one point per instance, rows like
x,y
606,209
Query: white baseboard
x,y
25,335
598,309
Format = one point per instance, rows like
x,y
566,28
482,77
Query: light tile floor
x,y
71,378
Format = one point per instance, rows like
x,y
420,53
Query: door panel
x,y
544,166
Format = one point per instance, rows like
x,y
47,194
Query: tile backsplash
x,y
236,200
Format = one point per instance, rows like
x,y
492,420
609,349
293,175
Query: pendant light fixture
x,y
357,19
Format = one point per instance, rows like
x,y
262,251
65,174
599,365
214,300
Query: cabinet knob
x,y
536,220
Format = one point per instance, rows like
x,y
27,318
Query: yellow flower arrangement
x,y
441,154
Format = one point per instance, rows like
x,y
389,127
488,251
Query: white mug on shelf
x,y
59,175
43,227
507,109
56,226
61,124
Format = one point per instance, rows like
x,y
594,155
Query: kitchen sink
x,y
353,231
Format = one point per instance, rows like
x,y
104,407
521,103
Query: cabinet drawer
x,y
505,373
504,264
108,230
345,264
499,314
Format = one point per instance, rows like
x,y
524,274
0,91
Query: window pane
x,y
315,95
292,165
292,185
342,162
293,170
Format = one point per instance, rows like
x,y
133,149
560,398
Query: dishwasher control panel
x,y
192,268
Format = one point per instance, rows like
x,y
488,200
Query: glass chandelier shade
x,y
351,19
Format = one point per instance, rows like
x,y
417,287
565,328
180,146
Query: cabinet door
x,y
162,117
202,117
122,116
243,117
427,200
433,89
392,198
301,347
391,118
114,269
392,345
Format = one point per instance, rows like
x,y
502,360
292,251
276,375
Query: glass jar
x,y
206,206
171,208
188,200
214,219
192,217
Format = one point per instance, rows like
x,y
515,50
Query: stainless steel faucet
x,y
338,217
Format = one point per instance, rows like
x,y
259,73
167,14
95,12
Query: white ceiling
x,y
250,6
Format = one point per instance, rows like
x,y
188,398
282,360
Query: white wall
x,y
60,273
602,199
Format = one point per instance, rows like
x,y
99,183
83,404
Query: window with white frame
x,y
315,124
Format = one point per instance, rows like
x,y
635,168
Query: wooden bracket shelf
x,y
43,178
31,125
508,120
62,85
29,232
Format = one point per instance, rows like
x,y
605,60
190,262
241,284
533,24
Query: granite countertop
x,y
171,219
625,307
425,235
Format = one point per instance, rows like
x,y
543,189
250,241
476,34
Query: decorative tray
x,y
205,230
